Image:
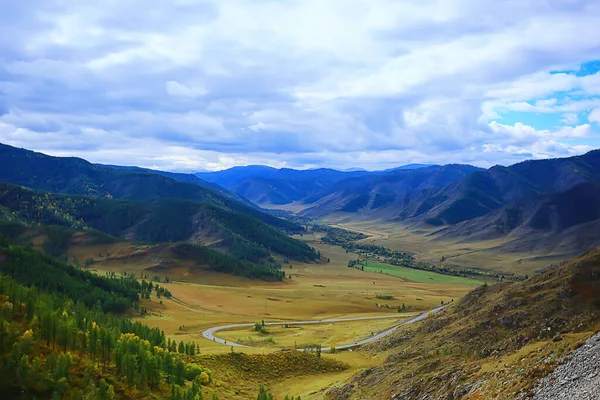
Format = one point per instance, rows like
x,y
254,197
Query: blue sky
x,y
191,85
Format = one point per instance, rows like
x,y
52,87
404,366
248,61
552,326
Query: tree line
x,y
53,344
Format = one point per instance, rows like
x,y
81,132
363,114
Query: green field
x,y
417,275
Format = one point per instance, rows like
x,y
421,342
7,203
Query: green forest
x,y
171,220
65,334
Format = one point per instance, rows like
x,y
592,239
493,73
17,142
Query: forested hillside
x,y
59,338
168,220
65,334
182,177
77,176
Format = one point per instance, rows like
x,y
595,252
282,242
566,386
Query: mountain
x,y
267,185
496,342
562,223
229,178
485,191
412,166
185,178
536,206
77,176
138,205
271,186
354,169
392,195
167,220
450,194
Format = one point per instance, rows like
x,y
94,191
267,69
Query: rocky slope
x,y
577,379
496,342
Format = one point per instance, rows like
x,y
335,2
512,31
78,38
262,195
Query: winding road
x,y
209,333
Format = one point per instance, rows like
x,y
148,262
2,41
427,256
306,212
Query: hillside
x,y
79,177
537,207
496,342
266,185
66,333
394,195
450,194
485,191
563,223
169,220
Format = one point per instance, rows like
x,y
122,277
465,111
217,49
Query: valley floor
x,y
204,299
421,242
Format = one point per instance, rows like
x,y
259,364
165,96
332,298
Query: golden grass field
x,y
300,336
203,299
482,254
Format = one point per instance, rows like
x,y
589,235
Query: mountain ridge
x,y
76,176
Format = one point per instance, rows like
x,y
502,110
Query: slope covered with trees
x,y
58,342
169,220
79,177
65,334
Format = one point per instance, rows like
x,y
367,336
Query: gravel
x,y
577,379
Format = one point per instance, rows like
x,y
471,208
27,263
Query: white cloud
x,y
570,118
243,81
594,115
177,89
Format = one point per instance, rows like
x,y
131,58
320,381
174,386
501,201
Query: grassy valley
x,y
108,294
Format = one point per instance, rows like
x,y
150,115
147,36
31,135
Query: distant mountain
x,y
270,186
228,178
485,191
76,176
353,170
451,194
412,166
267,185
393,195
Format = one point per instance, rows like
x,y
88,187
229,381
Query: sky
x,y
190,85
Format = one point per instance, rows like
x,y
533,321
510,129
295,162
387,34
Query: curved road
x,y
209,333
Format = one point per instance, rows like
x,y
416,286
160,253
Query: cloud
x,y
178,89
210,84
594,115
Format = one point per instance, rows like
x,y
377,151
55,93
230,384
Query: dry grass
x,y
203,299
496,342
482,254
326,334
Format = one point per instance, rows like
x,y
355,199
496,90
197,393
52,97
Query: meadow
x,y
484,255
203,299
416,275
301,336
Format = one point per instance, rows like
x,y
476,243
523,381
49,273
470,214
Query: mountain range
x,y
139,205
537,205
